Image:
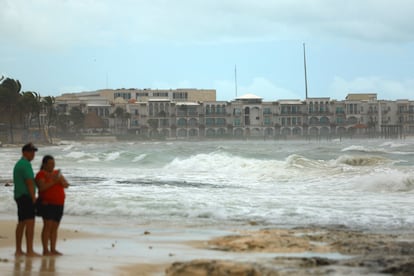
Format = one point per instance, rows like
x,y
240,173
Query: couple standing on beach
x,y
48,205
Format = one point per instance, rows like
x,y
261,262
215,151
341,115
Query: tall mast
x,y
306,78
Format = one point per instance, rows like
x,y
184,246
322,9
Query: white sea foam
x,y
77,154
68,148
355,160
365,149
347,182
355,148
139,158
392,144
385,181
112,156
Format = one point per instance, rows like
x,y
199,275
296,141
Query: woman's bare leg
x,y
53,238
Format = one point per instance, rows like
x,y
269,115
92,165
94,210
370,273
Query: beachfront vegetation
x,y
34,117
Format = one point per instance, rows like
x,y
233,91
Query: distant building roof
x,y
159,100
97,105
187,103
318,99
290,101
249,97
361,96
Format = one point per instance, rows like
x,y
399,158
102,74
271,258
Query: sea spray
x,y
357,183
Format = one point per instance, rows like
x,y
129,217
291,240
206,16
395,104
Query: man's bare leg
x,y
19,238
29,238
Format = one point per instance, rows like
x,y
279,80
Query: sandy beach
x,y
201,251
95,253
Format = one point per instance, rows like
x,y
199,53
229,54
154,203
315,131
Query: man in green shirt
x,y
25,197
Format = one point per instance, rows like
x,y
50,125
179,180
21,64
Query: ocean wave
x,y
389,181
139,157
77,155
111,156
301,162
402,152
362,160
363,149
68,148
393,144
170,183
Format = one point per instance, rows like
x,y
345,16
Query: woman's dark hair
x,y
45,159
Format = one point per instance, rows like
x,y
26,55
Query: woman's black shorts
x,y
51,212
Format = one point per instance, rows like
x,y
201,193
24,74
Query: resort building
x,y
195,113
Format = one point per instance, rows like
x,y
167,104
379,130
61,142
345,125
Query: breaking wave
x,y
362,160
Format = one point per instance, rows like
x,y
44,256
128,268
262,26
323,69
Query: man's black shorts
x,y
52,212
25,208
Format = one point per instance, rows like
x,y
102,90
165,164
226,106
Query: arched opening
x,y
193,132
324,131
314,131
182,133
238,132
297,131
286,131
210,132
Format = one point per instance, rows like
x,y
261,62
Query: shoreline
x,y
154,250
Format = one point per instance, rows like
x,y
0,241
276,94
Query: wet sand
x,y
139,250
308,251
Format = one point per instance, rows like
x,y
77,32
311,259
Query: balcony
x,y
291,112
322,113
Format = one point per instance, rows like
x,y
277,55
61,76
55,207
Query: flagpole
x,y
304,64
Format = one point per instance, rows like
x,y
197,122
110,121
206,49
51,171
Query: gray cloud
x,y
60,23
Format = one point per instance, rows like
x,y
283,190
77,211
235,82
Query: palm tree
x,y
63,123
77,118
51,113
120,114
30,107
9,98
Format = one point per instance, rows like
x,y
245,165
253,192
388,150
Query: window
x,y
218,110
221,121
125,96
192,111
210,121
182,122
160,94
180,95
164,122
236,122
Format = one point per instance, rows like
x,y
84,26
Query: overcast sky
x,y
352,46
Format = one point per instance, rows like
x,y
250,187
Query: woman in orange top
x,y
51,184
